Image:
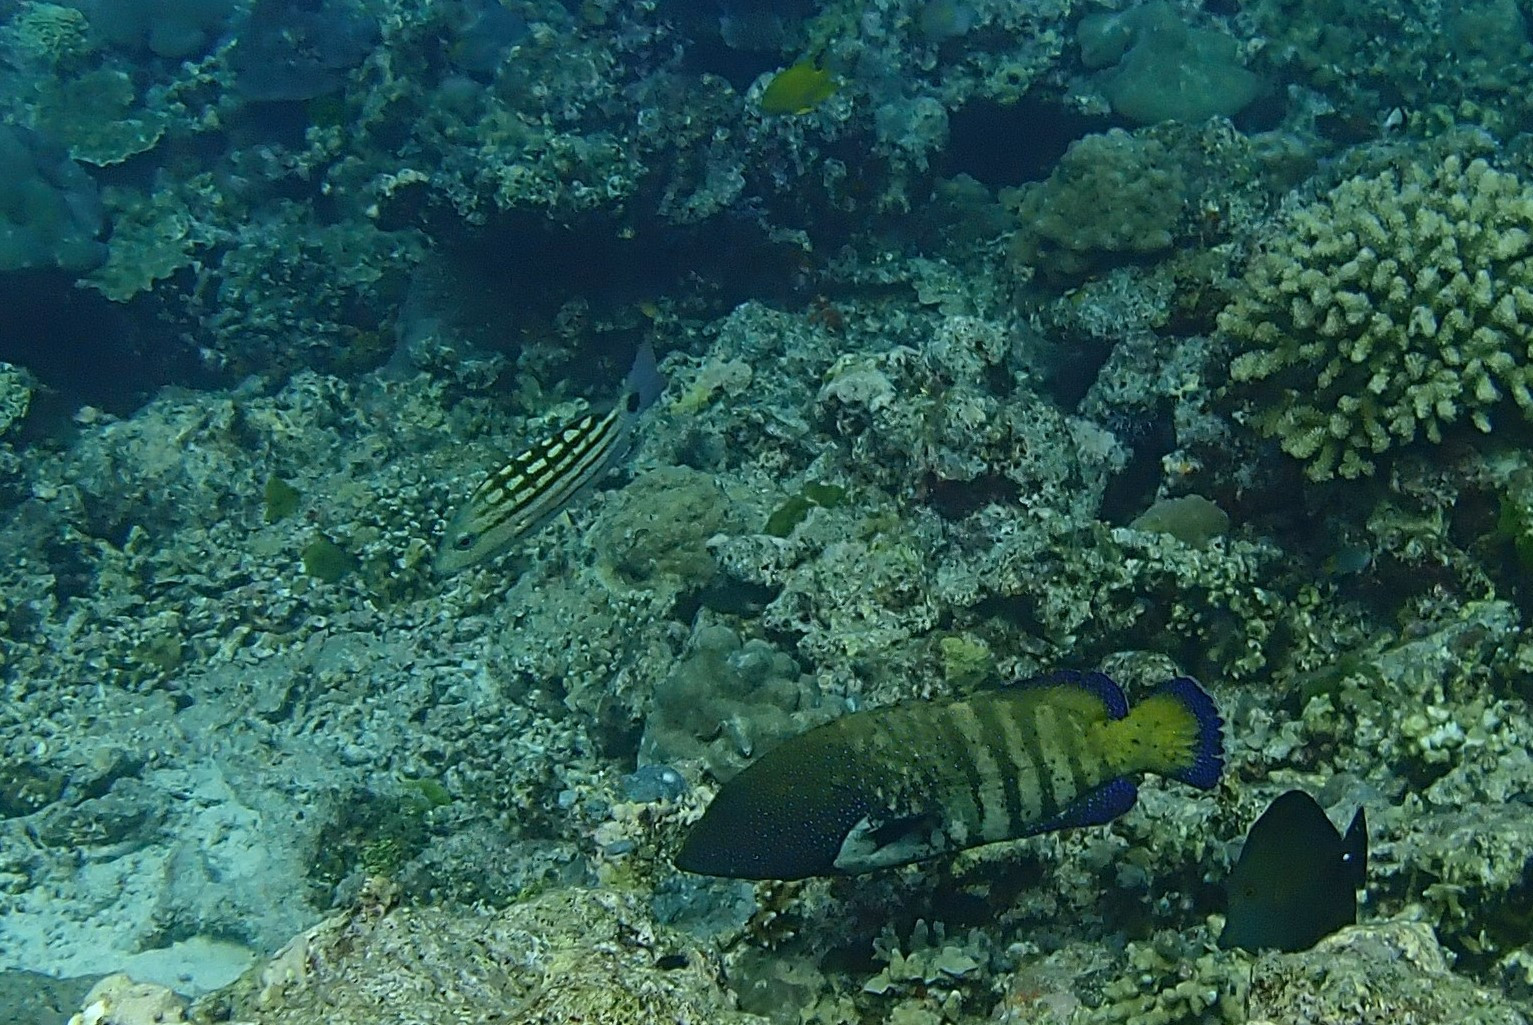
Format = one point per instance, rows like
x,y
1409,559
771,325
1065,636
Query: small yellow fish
x,y
533,486
798,89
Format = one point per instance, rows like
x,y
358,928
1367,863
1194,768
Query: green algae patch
x,y
161,653
281,499
1514,526
786,517
377,833
26,787
326,561
966,660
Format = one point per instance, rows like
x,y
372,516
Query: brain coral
x,y
1395,306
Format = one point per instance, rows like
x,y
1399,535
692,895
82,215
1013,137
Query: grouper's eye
x,y
465,542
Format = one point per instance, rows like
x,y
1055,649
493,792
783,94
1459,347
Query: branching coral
x,y
1400,304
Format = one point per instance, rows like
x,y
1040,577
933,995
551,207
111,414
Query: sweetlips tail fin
x,y
645,382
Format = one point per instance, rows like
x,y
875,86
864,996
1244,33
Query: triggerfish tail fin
x,y
1179,733
644,383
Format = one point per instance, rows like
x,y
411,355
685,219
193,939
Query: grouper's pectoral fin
x,y
880,842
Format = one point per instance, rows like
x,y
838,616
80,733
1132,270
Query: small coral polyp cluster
x,y
1398,305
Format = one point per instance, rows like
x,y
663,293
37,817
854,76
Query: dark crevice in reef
x,y
85,349
1009,144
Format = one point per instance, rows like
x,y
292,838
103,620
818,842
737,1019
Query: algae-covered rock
x,y
118,1000
965,659
1389,972
1166,70
15,396
1112,195
727,701
1373,975
26,786
658,528
567,956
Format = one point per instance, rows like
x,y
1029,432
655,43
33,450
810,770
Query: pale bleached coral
x,y
1389,311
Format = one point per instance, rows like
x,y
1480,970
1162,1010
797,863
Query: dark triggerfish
x,y
898,784
1296,879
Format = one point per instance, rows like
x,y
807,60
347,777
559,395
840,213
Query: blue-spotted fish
x,y
895,785
535,485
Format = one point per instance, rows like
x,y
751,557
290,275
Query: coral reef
x,y
51,35
1386,973
962,375
16,389
1390,972
1469,59
655,533
1120,198
1064,231
118,1000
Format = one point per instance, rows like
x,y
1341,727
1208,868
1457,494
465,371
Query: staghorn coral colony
x,y
1161,338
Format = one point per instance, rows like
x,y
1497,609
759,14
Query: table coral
x,y
1386,312
46,34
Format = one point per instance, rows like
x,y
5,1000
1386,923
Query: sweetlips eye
x,y
465,542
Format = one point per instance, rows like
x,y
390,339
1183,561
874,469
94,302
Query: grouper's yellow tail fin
x,y
1177,732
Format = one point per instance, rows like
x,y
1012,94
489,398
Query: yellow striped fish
x,y
895,785
535,485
